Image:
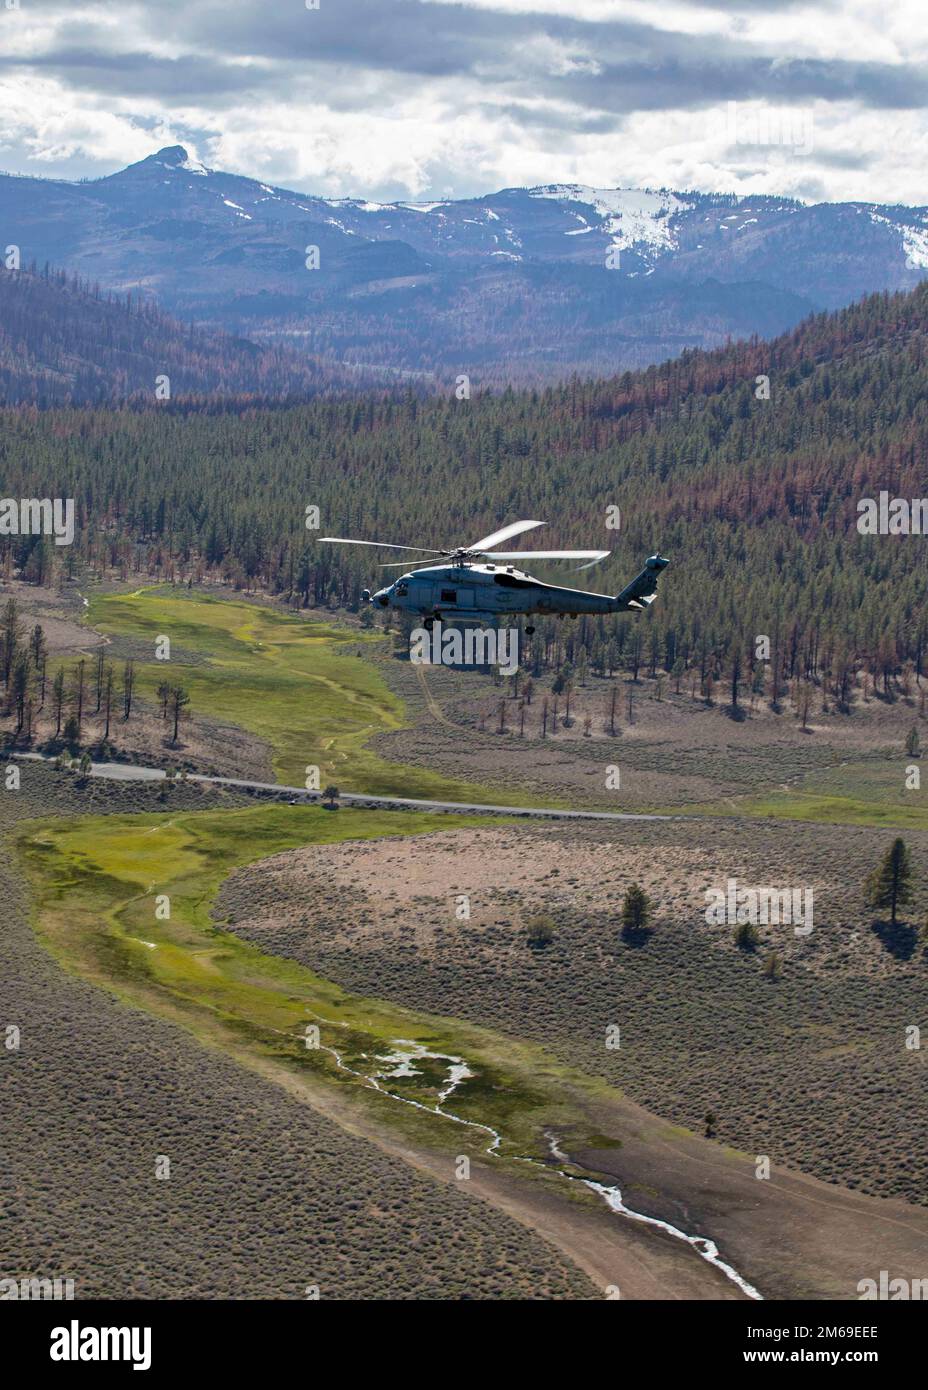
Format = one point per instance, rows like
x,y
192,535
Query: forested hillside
x,y
754,500
63,341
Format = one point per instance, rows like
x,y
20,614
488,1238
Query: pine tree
x,y
128,686
890,884
9,640
58,698
178,697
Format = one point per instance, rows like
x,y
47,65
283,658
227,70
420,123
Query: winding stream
x,y
703,1246
401,1063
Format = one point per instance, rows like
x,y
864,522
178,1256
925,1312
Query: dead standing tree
x,y
178,698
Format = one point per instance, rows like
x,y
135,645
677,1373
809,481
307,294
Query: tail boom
x,y
642,591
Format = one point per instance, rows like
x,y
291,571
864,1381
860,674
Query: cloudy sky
x,y
425,98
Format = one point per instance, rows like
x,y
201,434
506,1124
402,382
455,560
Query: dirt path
x,y
435,709
127,772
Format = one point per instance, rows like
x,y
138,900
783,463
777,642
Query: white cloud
x,y
47,126
527,106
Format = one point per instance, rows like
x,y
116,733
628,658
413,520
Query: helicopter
x,y
478,584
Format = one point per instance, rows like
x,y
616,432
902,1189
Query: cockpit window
x,y
402,588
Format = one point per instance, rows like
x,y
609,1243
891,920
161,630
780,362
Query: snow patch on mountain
x,y
914,240
237,209
630,216
334,222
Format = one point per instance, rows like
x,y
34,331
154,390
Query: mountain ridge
x,y
526,284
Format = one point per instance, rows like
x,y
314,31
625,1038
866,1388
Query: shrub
x,y
636,911
747,937
539,932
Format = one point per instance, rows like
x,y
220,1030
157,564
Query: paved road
x,y
129,772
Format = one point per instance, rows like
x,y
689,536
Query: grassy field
x,y
299,685
854,793
95,886
837,810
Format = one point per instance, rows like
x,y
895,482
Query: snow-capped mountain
x,y
525,283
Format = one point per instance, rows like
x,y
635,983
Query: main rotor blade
x,y
383,545
594,555
514,529
405,564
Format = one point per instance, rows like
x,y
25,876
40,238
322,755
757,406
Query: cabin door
x,y
451,596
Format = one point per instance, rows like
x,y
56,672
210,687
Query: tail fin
x,y
643,588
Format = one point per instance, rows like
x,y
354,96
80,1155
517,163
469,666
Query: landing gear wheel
x,y
427,623
529,631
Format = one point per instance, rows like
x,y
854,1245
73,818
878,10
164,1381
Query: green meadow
x,y
304,688
300,686
837,810
100,886
858,792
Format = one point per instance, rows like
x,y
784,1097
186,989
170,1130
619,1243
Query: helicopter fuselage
x,y
487,593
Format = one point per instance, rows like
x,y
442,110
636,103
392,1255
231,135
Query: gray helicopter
x,y
477,584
